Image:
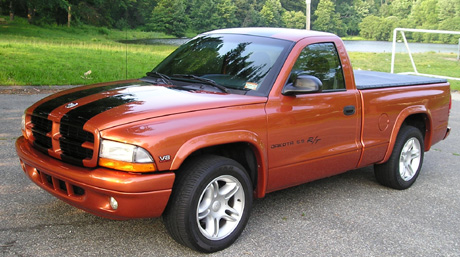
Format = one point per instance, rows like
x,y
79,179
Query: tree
x,y
327,19
452,24
352,14
89,14
342,17
11,10
401,8
203,15
449,15
253,18
368,26
248,13
378,28
169,17
271,13
448,9
226,11
425,13
425,16
293,5
292,19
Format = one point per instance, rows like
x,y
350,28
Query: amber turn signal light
x,y
127,166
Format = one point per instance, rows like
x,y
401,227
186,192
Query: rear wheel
x,y
210,203
405,163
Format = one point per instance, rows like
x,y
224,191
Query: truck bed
x,y
373,79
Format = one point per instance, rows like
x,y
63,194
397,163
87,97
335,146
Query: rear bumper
x,y
138,195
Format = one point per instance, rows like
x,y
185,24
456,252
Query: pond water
x,y
386,47
352,46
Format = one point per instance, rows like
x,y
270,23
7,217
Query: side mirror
x,y
304,84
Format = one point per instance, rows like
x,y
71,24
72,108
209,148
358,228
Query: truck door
x,y
313,135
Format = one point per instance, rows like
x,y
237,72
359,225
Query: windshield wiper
x,y
204,80
165,78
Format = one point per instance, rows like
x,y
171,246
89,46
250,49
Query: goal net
x,y
415,72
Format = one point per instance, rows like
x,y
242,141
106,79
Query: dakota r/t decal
x,y
310,140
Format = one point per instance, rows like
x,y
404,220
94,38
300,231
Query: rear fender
x,y
402,117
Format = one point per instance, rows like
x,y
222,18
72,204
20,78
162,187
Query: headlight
x,y
124,152
23,123
23,126
125,157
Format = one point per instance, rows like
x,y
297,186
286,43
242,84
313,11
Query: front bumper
x,y
138,195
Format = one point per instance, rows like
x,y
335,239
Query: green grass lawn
x,y
44,63
31,55
57,55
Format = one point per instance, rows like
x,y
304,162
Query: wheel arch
x,y
416,116
245,147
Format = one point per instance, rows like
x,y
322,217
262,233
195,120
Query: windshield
x,y
239,62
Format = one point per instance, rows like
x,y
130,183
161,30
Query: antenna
x,y
126,42
126,55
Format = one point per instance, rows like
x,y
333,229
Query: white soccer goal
x,y
415,72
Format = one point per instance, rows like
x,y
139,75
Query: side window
x,y
322,61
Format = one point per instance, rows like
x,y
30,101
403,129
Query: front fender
x,y
227,137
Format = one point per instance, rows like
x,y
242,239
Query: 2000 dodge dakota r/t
x,y
231,115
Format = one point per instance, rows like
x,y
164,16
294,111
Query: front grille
x,y
73,148
40,131
71,142
76,133
42,124
74,144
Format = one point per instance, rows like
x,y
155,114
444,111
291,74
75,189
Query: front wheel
x,y
210,203
405,163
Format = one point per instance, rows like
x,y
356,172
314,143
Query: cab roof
x,y
279,33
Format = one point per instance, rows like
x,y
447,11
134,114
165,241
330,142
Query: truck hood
x,y
102,106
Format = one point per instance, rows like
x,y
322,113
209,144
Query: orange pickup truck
x,y
229,116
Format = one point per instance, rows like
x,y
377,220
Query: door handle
x,y
349,110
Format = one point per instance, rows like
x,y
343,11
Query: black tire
x,y
227,213
405,163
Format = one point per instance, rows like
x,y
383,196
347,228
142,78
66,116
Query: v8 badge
x,y
165,158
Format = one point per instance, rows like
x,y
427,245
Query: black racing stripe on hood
x,y
77,118
47,107
80,115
